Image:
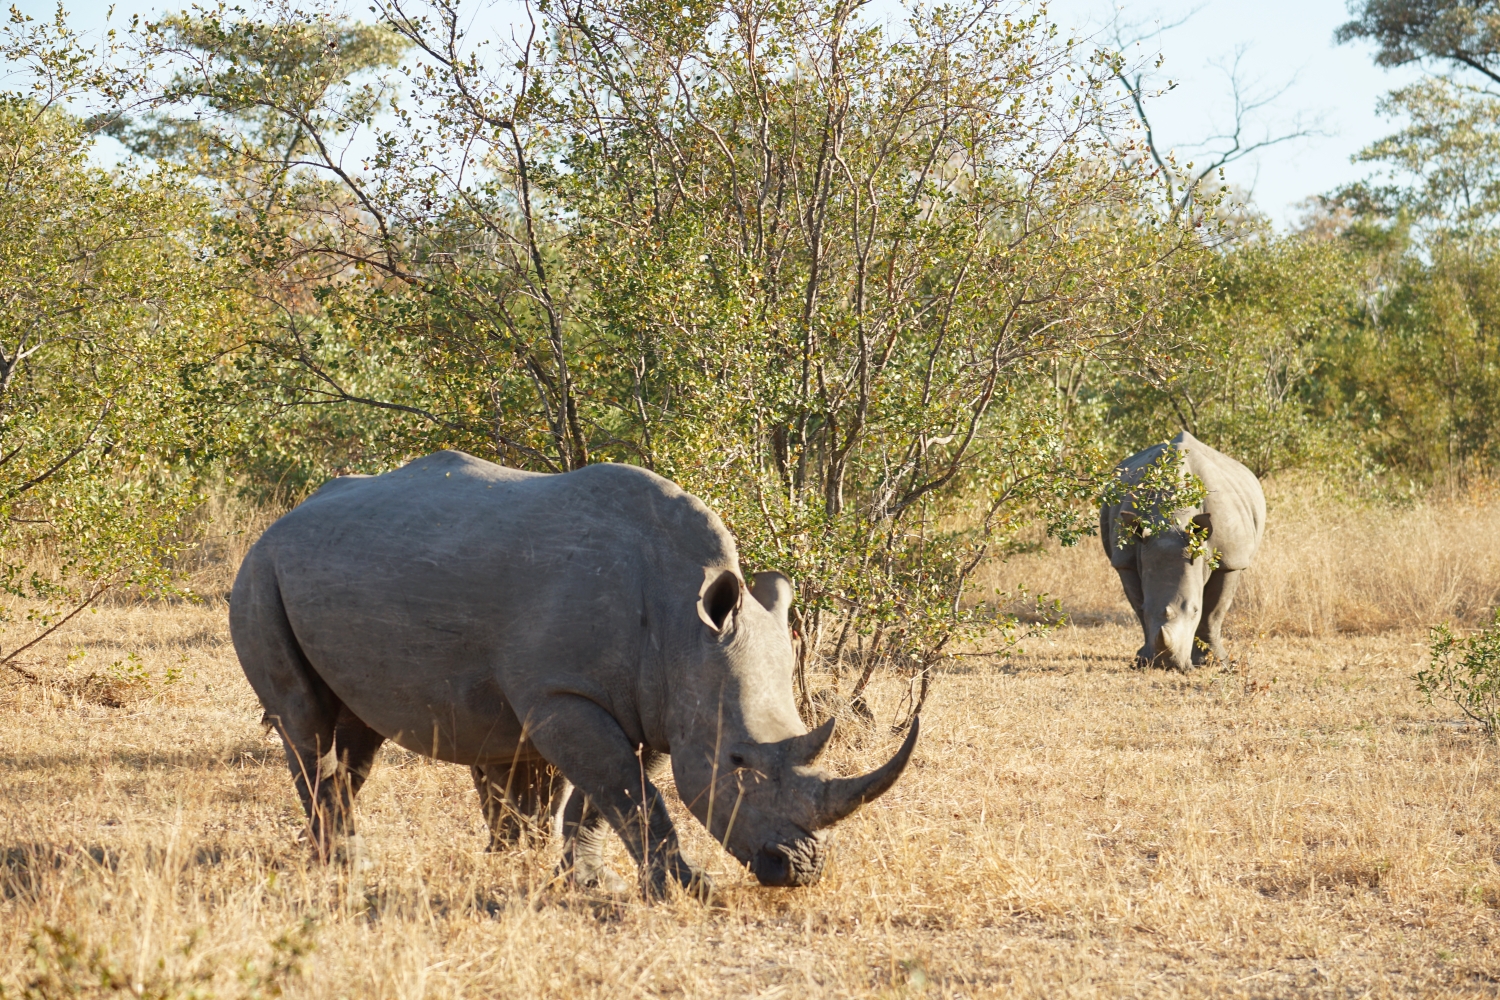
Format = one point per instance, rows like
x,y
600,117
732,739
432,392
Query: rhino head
x,y
744,762
1172,582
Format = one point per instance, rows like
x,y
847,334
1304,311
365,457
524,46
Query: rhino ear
x,y
774,593
1205,521
720,599
1128,519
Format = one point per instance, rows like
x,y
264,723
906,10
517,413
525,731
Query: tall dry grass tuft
x,y
219,535
1335,568
1325,567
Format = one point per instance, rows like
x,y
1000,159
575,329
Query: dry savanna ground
x,y
1297,823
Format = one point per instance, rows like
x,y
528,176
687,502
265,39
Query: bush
x,y
1466,671
843,336
112,305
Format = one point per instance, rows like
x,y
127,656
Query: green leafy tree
x,y
1244,347
108,308
841,266
1419,380
265,113
1442,163
1461,34
824,276
1418,376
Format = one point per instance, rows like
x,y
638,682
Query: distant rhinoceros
x,y
1180,602
517,622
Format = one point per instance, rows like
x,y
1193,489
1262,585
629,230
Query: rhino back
x,y
1234,499
438,601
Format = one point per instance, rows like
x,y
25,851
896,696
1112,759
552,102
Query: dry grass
x,y
220,533
1304,826
1324,568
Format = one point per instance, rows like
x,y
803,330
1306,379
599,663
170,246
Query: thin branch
x,y
53,628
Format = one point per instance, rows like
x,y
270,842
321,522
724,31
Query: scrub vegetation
x,y
892,297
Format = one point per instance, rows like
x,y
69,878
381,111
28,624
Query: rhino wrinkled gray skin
x,y
524,624
1181,603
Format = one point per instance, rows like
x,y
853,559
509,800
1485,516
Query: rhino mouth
x,y
795,863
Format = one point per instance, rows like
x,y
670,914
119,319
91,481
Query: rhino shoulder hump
x,y
1236,501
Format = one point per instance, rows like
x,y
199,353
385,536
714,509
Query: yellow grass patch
x,y
1069,827
1323,569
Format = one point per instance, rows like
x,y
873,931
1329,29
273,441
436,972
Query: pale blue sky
x,y
1283,43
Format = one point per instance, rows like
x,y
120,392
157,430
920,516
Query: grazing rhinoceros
x,y
518,622
1181,603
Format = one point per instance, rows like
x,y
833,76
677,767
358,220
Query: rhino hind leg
x,y
329,765
354,746
328,749
519,799
1218,597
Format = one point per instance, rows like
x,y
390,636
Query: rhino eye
x,y
737,760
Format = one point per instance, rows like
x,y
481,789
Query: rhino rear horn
x,y
841,796
803,750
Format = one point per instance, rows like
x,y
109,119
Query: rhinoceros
x,y
1180,601
525,624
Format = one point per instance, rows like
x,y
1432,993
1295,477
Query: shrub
x,y
1466,671
111,303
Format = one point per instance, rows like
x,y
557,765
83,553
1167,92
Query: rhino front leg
x,y
591,749
1218,596
584,833
1131,581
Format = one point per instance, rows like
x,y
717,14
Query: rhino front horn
x,y
841,796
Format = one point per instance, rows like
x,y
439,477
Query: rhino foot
x,y
599,878
1142,658
606,881
349,851
693,880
